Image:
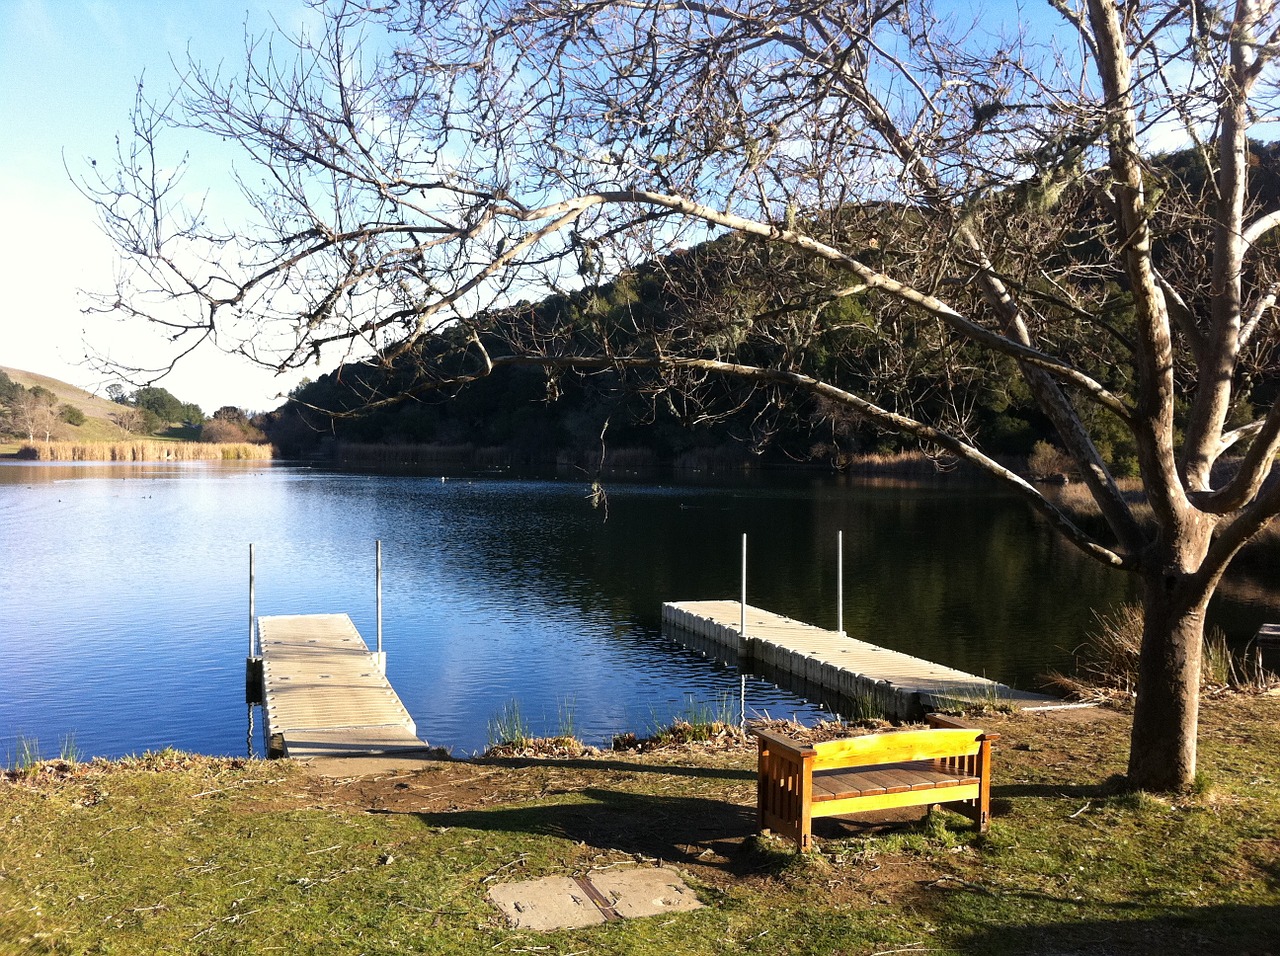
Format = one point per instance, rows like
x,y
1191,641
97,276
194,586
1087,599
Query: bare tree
x,y
971,203
35,412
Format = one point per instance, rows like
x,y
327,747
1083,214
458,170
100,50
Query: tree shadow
x,y
1222,930
1146,923
664,827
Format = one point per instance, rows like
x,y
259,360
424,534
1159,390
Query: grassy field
x,y
180,854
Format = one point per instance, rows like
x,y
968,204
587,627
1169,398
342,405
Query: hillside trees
x,y
166,407
32,412
230,424
974,203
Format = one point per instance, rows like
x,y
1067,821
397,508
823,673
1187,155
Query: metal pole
x,y
252,643
840,583
379,577
741,645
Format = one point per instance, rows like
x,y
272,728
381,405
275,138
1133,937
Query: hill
x,y
98,412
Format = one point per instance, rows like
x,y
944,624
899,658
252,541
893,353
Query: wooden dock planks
x,y
839,671
324,691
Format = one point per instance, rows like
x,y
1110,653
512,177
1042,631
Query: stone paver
x,y
553,902
559,902
645,892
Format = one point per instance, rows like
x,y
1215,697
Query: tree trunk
x,y
1162,753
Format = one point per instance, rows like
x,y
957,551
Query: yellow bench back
x,y
895,747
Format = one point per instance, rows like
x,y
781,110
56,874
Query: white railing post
x,y
253,644
840,583
382,658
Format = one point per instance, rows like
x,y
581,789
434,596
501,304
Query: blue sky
x,y
68,72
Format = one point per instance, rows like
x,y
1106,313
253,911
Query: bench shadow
x,y
1088,791
709,831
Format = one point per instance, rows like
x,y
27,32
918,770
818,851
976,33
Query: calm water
x,y
123,592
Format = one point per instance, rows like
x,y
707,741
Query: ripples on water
x,y
126,608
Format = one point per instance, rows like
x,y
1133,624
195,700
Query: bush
x,y
72,415
226,431
1048,461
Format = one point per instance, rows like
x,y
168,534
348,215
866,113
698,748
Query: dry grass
x,y
1106,665
145,450
902,464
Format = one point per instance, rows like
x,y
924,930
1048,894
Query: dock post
x,y
252,663
381,656
253,646
840,583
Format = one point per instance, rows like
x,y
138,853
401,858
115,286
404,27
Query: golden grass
x,y
146,450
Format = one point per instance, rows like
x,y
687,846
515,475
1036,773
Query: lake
x,y
124,592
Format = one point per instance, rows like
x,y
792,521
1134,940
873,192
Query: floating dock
x,y
847,676
324,693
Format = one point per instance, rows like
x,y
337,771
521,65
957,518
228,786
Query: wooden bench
x,y
948,763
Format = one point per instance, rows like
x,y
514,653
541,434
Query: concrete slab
x,y
645,892
559,902
553,902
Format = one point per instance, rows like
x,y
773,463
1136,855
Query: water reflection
x,y
126,591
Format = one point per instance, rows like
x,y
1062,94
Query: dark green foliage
x,y
166,408
72,415
9,389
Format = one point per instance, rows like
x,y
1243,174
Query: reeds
x,y
1106,665
146,450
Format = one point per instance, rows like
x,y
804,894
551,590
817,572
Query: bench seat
x,y
889,778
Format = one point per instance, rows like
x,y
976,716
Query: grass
x,y
508,727
180,854
567,718
699,720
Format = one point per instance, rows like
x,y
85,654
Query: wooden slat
x,y
835,784
890,801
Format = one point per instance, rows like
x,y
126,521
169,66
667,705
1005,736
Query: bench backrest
x,y
896,746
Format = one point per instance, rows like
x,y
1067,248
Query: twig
x,y
518,861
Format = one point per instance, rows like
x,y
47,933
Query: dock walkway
x,y
846,675
325,694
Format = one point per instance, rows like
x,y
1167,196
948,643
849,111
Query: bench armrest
x,y
780,744
956,723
